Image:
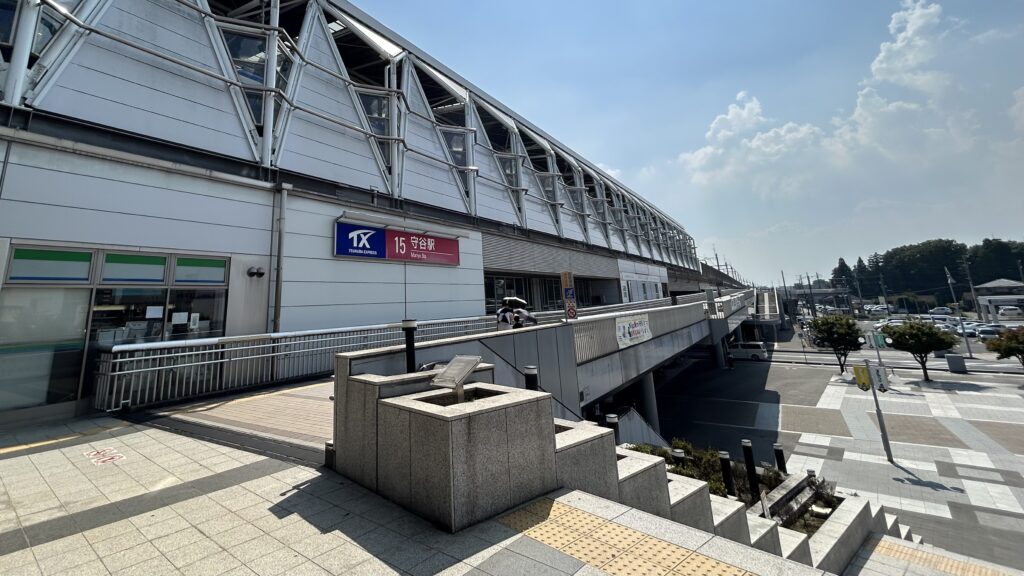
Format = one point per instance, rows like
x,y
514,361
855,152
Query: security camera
x,y
254,272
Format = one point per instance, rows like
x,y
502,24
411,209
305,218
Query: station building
x,y
182,169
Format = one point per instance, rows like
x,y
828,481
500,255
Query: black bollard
x,y
675,300
532,379
613,423
748,460
726,462
409,328
780,458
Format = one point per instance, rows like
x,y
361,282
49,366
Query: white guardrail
x,y
139,375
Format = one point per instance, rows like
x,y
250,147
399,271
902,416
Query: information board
x,y
358,241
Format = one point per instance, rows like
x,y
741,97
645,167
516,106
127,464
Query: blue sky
x,y
783,134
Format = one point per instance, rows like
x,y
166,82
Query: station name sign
x,y
359,241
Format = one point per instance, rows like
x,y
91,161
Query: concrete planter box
x,y
459,464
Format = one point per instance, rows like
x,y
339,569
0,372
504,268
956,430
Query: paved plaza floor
x,y
958,443
106,496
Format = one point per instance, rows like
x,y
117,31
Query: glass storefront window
x,y
195,314
200,271
42,341
133,268
127,316
42,265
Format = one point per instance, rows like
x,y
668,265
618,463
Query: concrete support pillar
x,y
650,401
719,351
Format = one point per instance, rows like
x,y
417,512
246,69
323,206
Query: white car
x,y
1000,328
986,334
889,322
941,310
968,331
1010,312
750,350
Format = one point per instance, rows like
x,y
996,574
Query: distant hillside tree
x,y
843,273
994,259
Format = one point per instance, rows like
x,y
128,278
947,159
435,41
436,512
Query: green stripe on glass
x,y
200,263
51,255
136,259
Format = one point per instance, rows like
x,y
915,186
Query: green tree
x,y
840,333
994,259
1009,344
920,339
843,273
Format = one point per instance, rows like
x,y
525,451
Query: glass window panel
x,y
39,265
42,340
200,271
255,100
127,315
195,313
8,14
376,108
133,268
284,67
456,142
50,21
249,54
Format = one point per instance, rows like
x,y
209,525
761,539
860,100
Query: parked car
x,y
986,334
888,322
1010,312
941,310
967,331
749,350
1000,328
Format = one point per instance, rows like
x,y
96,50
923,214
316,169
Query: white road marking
x,y
832,397
941,405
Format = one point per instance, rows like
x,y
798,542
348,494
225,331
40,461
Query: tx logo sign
x,y
361,238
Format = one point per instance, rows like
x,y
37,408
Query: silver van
x,y
749,350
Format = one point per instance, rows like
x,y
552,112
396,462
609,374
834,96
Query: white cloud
x,y
996,35
1017,110
613,172
891,171
914,44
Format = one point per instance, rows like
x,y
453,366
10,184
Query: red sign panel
x,y
422,248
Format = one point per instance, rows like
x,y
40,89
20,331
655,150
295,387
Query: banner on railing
x,y
632,329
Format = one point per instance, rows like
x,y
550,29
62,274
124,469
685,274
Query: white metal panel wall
x,y
517,255
570,221
538,215
597,236
61,196
320,148
423,179
114,85
492,200
321,291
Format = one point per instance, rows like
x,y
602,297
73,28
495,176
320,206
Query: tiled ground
x,y
104,496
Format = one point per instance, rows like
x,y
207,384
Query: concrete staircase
x,y
588,459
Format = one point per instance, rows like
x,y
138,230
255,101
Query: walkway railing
x,y
137,375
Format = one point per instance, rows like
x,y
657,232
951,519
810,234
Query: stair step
x,y
642,482
795,546
690,502
905,532
730,519
585,457
892,525
764,534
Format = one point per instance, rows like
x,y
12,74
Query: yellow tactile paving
x,y
618,536
700,565
629,565
548,509
614,548
581,521
520,520
591,551
933,561
660,552
555,535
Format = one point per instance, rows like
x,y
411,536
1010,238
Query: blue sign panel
x,y
359,241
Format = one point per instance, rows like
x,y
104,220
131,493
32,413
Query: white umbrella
x,y
514,301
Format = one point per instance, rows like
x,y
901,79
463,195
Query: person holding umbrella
x,y
522,318
506,315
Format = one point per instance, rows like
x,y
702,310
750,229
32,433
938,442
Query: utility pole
x,y
963,329
974,295
718,273
885,294
810,294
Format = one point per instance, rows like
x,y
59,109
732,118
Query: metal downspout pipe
x,y
279,277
